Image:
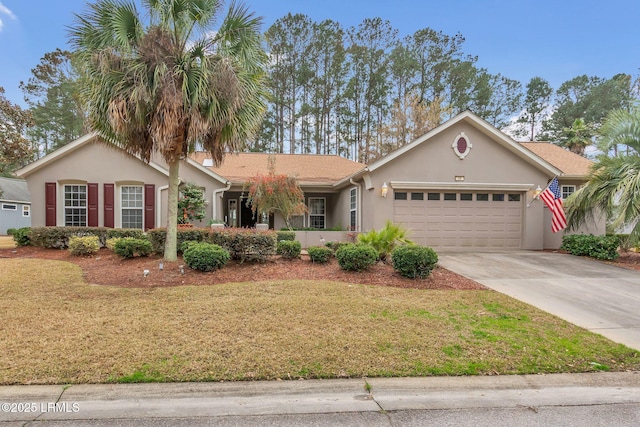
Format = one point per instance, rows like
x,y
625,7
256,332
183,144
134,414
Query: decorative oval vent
x,y
461,145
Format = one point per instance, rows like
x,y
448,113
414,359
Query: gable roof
x,y
70,148
483,126
571,164
14,190
308,169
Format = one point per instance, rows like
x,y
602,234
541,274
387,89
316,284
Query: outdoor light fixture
x,y
145,273
161,266
384,190
537,192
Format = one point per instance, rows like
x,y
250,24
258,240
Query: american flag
x,y
553,199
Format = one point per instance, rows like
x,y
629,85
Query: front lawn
x,y
58,329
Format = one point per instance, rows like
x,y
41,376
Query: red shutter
x,y
92,205
149,206
50,204
109,193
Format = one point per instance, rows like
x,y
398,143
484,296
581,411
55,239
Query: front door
x,y
247,218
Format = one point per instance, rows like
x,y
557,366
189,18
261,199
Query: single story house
x,y
464,185
15,204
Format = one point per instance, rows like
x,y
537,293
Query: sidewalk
x,y
212,400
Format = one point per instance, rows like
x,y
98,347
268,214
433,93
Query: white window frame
x,y
562,190
9,207
138,208
353,208
323,215
26,211
79,207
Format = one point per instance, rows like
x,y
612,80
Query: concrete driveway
x,y
601,298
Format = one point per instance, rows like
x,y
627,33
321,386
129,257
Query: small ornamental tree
x,y
275,193
191,204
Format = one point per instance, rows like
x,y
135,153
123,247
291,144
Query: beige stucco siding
x,y
94,162
433,164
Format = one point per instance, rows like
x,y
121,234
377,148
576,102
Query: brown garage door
x,y
461,220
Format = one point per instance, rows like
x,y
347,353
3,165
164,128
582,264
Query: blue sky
x,y
520,39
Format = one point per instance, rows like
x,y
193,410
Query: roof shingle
x,y
306,168
570,163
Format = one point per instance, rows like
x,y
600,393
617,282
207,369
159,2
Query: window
x,y
26,210
433,196
466,196
417,196
317,212
131,206
514,197
450,196
8,207
482,197
497,197
75,205
353,206
568,190
399,196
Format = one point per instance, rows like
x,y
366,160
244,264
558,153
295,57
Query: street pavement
x,y
559,399
600,297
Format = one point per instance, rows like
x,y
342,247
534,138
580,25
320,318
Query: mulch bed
x,y
106,268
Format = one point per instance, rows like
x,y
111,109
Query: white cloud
x,y
5,11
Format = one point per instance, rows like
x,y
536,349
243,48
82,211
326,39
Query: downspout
x,y
358,204
159,205
214,200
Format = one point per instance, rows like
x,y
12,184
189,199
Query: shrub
x,y
599,247
386,239
334,246
204,256
289,249
22,236
624,239
136,233
111,243
286,235
157,237
319,254
10,231
413,261
356,257
245,244
128,247
83,246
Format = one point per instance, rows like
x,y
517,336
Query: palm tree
x,y
577,137
166,81
614,186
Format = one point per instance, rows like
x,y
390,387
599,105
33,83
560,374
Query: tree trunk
x,y
171,242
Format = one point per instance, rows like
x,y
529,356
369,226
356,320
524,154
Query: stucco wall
x,y
434,161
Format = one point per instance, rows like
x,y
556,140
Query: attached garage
x,y
464,219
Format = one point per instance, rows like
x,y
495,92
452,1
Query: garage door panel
x,y
462,224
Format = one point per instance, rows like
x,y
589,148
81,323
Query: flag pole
x,y
537,196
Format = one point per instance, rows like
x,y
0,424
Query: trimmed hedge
x,y
599,247
22,236
354,257
289,249
204,256
128,247
58,237
246,244
319,254
243,244
334,246
413,261
286,235
157,237
83,246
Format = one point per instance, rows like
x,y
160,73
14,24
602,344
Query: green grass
x,y
56,329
